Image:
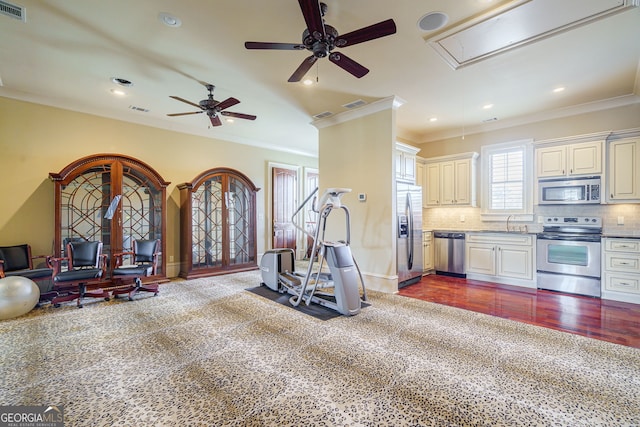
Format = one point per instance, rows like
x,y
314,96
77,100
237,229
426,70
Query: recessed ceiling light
x,y
169,20
121,81
433,119
558,89
228,120
118,92
487,106
307,82
433,21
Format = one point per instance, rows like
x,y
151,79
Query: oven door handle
x,y
574,238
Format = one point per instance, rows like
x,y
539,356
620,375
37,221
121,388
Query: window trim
x,y
524,214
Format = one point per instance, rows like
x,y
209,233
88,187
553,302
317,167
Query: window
x,y
506,189
507,180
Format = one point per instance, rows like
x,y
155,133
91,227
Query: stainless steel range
x,y
568,255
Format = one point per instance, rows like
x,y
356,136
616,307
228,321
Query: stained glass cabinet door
x,y
218,224
110,198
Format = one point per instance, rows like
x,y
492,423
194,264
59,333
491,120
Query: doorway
x,y
284,201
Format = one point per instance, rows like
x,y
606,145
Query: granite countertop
x,y
613,235
441,230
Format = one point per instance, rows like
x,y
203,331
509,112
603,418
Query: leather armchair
x,y
85,267
144,263
17,261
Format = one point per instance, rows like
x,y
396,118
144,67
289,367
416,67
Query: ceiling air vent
x,y
13,11
323,115
355,104
134,108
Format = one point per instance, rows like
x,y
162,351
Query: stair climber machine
x,y
339,287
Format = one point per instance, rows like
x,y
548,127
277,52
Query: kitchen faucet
x,y
508,218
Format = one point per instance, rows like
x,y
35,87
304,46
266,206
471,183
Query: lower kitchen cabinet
x,y
621,269
427,252
501,258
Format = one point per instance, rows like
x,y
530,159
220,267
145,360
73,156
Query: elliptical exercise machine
x,y
338,288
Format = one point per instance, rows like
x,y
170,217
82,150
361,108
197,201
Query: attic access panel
x,y
518,23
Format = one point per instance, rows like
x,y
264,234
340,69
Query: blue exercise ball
x,y
18,296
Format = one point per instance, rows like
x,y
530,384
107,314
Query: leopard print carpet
x,y
206,352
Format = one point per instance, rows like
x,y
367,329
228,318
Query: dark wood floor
x,y
605,320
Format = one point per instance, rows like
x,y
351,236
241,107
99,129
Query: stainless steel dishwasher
x,y
449,253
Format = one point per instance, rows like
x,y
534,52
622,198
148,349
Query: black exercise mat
x,y
314,310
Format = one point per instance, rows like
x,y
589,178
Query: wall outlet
x,y
170,258
620,220
462,218
540,219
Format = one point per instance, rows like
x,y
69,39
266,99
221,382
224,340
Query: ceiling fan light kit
x,y
320,39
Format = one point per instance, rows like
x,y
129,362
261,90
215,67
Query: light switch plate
x,y
620,220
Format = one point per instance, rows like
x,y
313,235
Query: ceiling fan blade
x,y
313,17
302,69
184,114
348,64
277,46
238,115
381,29
229,102
215,121
186,102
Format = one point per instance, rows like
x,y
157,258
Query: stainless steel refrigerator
x,y
409,233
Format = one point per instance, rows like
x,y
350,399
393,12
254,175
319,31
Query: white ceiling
x,y
67,51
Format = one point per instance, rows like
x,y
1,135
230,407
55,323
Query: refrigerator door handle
x,y
409,210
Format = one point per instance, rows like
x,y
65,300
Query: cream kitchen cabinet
x,y
406,162
431,190
569,159
421,179
451,180
621,269
427,251
501,257
624,173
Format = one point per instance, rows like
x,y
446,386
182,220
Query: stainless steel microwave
x,y
569,191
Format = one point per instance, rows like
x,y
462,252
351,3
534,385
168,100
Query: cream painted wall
x,y
36,140
359,154
626,117
614,119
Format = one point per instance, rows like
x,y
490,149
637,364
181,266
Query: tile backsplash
x,y
469,219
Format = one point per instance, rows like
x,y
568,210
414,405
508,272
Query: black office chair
x,y
144,259
86,266
17,261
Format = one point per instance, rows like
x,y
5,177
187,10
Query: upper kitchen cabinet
x,y
569,160
421,179
451,180
624,176
406,162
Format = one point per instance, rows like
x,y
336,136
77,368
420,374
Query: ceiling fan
x,y
320,39
213,107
